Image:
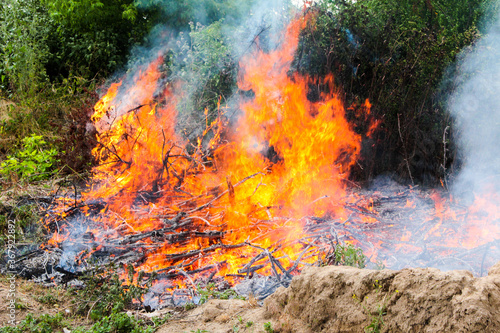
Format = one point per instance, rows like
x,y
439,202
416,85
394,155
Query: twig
x,y
405,151
223,193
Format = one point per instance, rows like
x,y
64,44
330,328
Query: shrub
x,y
25,30
349,256
395,53
34,161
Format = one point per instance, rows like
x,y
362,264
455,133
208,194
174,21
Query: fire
x,y
252,191
287,156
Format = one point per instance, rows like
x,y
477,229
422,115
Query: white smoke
x,y
475,106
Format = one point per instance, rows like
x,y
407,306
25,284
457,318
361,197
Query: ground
x,y
35,299
326,299
346,299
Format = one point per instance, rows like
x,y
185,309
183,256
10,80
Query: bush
x,y
395,53
94,36
34,161
25,30
348,255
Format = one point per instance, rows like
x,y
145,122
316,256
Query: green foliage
x,y
395,53
203,62
349,256
25,30
268,327
105,295
179,14
20,305
118,323
42,324
114,323
377,314
46,41
34,161
60,114
25,217
94,36
103,300
189,306
48,298
210,292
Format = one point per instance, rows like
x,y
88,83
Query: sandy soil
x,y
345,299
321,299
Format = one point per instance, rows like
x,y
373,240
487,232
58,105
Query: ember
x,y
266,196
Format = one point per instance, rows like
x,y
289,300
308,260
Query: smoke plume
x,y
475,106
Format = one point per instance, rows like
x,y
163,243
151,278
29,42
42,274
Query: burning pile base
x,y
395,226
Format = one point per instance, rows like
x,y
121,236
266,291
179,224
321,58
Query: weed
x,y
25,218
210,292
249,324
268,328
118,323
43,324
47,299
349,256
20,305
102,300
377,319
189,306
158,321
34,161
104,294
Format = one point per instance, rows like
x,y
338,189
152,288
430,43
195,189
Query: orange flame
x,y
287,158
297,152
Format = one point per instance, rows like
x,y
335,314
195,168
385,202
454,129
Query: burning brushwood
x,y
266,196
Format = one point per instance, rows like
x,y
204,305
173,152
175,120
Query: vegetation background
x,y
400,54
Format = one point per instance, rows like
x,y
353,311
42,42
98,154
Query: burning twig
x,y
223,193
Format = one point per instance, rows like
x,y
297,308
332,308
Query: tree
x,y
395,53
95,36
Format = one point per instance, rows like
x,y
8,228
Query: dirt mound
x,y
346,299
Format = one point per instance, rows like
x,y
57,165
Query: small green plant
x,y
349,256
47,299
376,315
34,161
119,323
43,324
189,306
102,300
268,328
25,218
104,295
249,323
20,305
209,292
158,321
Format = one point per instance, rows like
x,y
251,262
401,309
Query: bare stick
x,y
404,149
444,157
